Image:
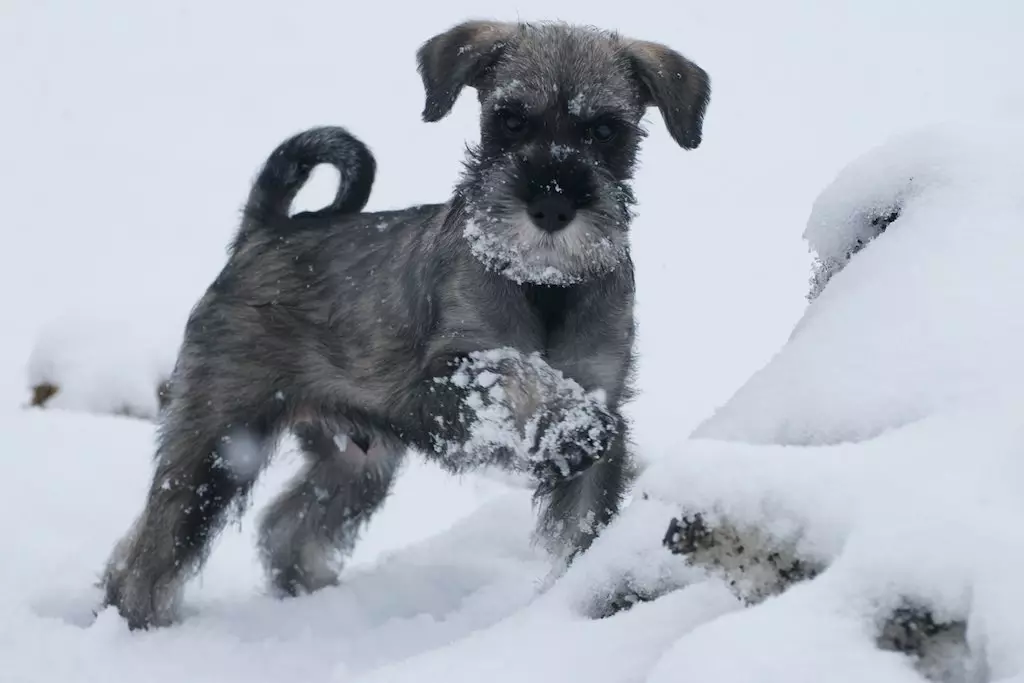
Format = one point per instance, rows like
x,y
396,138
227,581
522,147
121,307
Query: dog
x,y
495,329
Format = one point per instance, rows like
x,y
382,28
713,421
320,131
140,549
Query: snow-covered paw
x,y
570,445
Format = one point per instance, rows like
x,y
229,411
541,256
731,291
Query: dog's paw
x,y
137,614
572,444
550,473
142,603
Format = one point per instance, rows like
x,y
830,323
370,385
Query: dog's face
x,y
546,192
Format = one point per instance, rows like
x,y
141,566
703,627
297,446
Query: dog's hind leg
x,y
311,528
205,464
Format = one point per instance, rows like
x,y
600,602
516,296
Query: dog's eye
x,y
513,123
602,132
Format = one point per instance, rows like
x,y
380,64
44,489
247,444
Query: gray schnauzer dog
x,y
495,329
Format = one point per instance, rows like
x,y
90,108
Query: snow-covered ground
x,y
875,430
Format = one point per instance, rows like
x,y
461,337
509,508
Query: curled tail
x,y
287,169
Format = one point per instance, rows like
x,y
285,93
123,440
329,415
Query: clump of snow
x,y
575,106
516,406
628,565
243,454
504,90
506,256
518,250
561,153
106,366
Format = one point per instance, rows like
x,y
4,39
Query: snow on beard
x,y
505,240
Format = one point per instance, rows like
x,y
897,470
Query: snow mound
x,y
444,557
928,321
883,445
104,366
926,514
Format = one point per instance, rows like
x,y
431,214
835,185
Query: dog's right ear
x,y
679,88
456,58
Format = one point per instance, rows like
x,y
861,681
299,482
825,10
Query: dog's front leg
x,y
505,408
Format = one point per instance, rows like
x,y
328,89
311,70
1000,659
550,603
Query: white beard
x,y
524,253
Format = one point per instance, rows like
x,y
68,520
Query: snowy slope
x,y
928,321
423,576
880,435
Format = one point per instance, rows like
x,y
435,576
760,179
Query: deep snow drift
x,y
884,440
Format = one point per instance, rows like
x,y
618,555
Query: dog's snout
x,y
551,212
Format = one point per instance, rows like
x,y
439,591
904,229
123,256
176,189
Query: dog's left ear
x,y
456,58
679,88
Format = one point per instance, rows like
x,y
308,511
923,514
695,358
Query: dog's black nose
x,y
552,212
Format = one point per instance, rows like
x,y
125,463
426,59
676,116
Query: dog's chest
x,y
551,306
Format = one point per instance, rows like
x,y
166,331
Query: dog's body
x,y
496,328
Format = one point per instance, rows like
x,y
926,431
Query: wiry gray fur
x,y
463,330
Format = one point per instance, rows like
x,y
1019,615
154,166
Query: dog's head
x,y
546,192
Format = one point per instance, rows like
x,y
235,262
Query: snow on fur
x,y
519,406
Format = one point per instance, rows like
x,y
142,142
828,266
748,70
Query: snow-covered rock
x,y
102,366
926,318
884,443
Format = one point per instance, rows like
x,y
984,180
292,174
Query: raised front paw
x,y
570,445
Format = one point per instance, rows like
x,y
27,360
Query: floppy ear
x,y
678,87
456,58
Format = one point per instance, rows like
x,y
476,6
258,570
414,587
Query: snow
x,y
423,575
562,259
926,512
102,365
883,441
941,290
498,255
873,432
